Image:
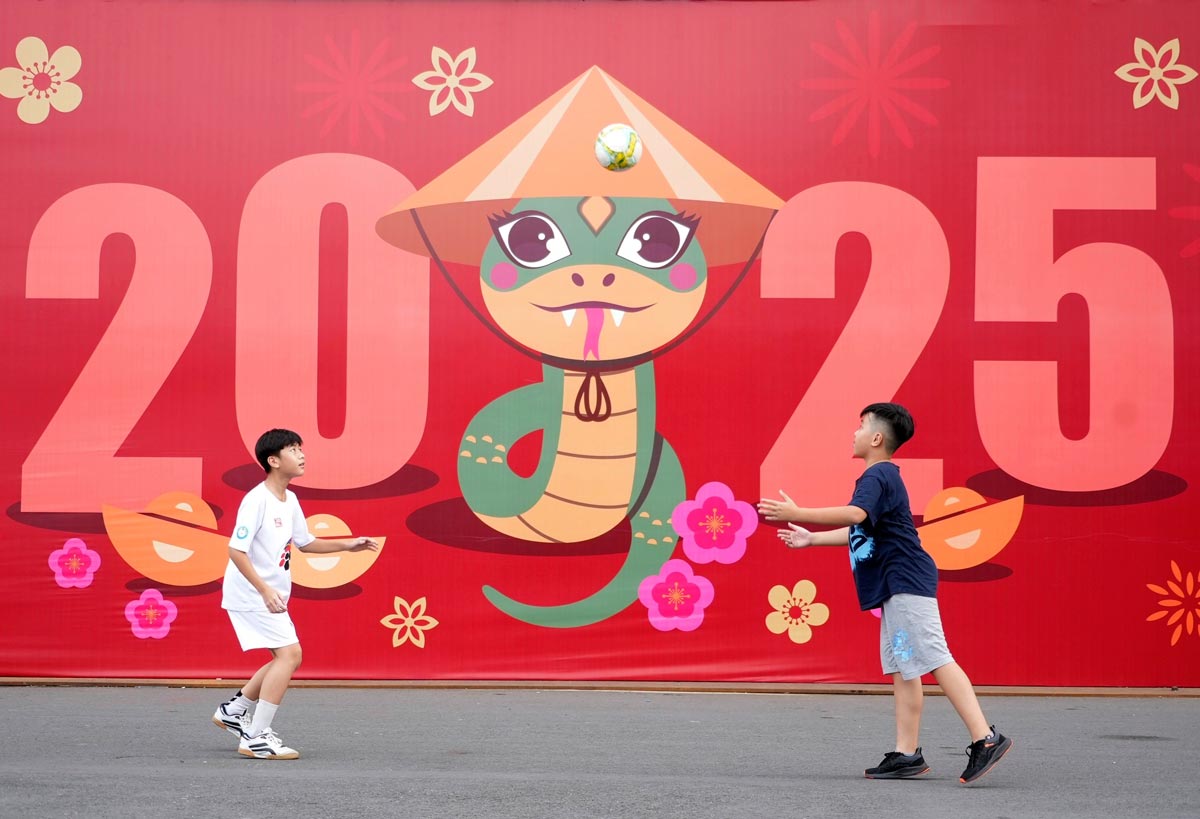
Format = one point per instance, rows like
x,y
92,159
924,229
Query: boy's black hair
x,y
272,442
897,422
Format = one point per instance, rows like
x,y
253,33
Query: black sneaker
x,y
985,753
896,765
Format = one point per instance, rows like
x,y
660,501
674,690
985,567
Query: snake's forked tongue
x,y
592,402
595,322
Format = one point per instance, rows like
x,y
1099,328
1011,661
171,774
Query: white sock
x,y
241,702
262,717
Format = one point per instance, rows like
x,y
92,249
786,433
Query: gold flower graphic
x,y
409,623
1181,599
41,80
874,83
353,87
795,612
452,81
1156,73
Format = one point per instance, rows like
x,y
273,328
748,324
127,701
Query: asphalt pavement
x,y
151,751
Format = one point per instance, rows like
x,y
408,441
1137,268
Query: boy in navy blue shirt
x,y
893,572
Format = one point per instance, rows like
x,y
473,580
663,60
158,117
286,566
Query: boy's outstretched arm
x,y
773,509
831,515
787,510
797,537
351,544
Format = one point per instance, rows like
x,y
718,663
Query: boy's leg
x,y
277,677
957,686
906,761
235,715
909,698
896,657
277,674
987,745
261,742
252,690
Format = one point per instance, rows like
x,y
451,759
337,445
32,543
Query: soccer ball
x,y
618,147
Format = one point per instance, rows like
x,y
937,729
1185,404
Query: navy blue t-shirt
x,y
885,550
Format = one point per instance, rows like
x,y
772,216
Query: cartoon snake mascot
x,y
594,285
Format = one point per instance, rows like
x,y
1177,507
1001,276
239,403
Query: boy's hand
x,y
796,537
785,509
359,544
275,602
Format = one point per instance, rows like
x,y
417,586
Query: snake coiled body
x,y
593,472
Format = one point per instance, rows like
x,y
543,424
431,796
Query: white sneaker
x,y
266,745
233,722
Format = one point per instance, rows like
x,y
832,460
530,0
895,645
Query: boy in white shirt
x,y
258,583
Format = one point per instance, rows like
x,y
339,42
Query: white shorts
x,y
911,641
263,629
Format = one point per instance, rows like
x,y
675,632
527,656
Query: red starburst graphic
x,y
1189,212
874,83
354,87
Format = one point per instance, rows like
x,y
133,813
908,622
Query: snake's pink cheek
x,y
503,276
683,276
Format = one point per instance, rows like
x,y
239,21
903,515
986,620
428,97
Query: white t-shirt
x,y
266,529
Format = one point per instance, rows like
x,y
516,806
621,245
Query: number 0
x,y
387,333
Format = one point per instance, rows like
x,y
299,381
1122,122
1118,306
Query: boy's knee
x,y
292,655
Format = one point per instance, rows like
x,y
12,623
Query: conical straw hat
x,y
549,152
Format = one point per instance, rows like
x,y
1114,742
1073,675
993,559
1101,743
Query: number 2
x,y
894,318
74,467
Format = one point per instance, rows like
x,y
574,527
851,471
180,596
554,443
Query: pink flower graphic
x,y
714,526
875,83
74,565
151,615
675,598
354,87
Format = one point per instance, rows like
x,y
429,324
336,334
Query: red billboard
x,y
555,292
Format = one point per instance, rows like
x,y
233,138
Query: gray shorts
x,y
911,641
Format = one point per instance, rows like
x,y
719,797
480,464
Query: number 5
x,y
1129,317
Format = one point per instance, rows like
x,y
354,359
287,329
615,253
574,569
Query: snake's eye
x,y
530,238
656,239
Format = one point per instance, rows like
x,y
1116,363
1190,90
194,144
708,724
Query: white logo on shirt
x,y
278,523
242,532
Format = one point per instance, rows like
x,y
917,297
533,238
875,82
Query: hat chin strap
x,y
584,409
